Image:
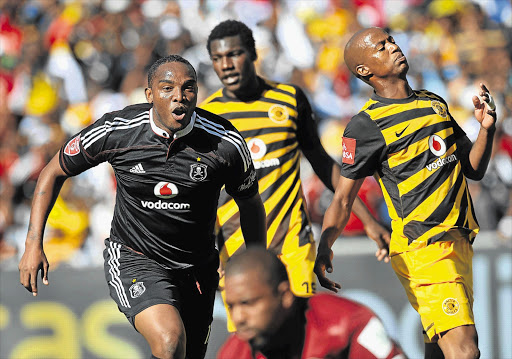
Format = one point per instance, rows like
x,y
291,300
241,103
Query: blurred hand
x,y
324,263
380,235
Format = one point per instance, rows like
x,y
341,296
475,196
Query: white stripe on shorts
x,y
114,254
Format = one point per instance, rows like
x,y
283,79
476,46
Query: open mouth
x,y
231,79
179,113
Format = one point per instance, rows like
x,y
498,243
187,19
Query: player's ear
x,y
287,297
363,70
149,94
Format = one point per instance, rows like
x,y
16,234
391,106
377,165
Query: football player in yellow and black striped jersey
x,y
409,141
278,124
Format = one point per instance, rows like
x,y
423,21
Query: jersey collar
x,y
408,99
178,134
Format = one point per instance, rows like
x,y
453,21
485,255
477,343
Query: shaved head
x,y
373,56
271,270
354,49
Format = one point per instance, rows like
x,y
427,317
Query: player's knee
x,y
467,351
470,352
169,345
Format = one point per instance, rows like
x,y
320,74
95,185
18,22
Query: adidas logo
x,y
137,169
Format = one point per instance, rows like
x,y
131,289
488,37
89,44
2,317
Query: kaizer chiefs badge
x,y
198,172
450,306
278,113
439,108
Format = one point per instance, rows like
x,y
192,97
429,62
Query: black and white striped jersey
x,y
167,188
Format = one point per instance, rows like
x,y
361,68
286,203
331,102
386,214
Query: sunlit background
x,y
63,64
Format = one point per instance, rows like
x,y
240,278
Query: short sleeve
x,y
457,130
241,179
363,148
307,128
83,150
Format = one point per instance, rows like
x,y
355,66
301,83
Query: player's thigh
x,y
459,342
438,282
137,282
161,326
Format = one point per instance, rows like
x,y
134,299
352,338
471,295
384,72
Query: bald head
x,y
356,46
374,57
271,270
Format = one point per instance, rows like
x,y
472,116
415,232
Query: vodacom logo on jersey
x,y
258,150
438,147
165,190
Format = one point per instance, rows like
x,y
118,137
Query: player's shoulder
x,y
116,128
330,308
131,112
207,118
289,88
234,348
214,97
323,301
426,95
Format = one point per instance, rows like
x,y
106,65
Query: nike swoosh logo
x,y
398,134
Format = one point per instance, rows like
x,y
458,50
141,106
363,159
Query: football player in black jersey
x,y
170,160
421,157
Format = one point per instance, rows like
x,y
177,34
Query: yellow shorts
x,y
299,266
438,280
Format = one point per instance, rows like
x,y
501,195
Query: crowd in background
x,y
63,64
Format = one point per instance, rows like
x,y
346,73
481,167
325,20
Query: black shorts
x,y
137,282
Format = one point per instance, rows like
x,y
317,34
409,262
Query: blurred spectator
x,y
64,62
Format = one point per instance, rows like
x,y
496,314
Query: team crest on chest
x,y
198,172
278,113
439,108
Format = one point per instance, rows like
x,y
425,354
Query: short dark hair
x,y
273,271
233,28
164,60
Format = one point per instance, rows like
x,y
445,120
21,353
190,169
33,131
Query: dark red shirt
x,y
335,328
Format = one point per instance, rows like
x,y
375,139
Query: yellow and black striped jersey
x,y
410,146
276,125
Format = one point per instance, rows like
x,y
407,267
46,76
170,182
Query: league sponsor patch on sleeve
x,y
349,150
73,147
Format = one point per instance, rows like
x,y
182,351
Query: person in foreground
x,y
278,124
273,323
170,161
421,157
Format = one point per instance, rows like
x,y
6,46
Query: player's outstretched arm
x,y
335,220
253,220
34,259
485,114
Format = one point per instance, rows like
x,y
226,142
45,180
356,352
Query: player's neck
x,y
250,92
394,89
